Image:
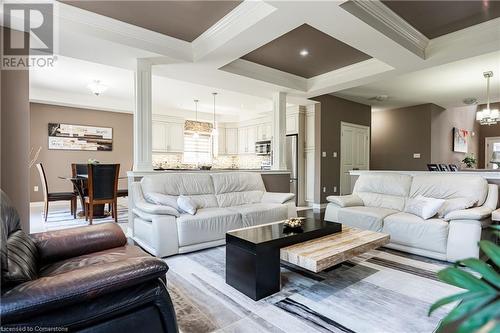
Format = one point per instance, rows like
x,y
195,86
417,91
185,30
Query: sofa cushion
x,y
411,230
474,188
362,217
385,190
238,188
260,213
209,224
423,207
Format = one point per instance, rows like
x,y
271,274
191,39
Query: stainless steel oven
x,y
263,147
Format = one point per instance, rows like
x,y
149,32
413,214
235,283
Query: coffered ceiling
x,y
438,18
184,20
306,52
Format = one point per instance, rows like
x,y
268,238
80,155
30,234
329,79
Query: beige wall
x,y
442,125
58,162
15,136
332,112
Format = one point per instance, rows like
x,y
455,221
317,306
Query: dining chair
x,y
443,167
453,167
54,196
102,188
432,167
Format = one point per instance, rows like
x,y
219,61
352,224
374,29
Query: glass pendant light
x,y
196,135
488,116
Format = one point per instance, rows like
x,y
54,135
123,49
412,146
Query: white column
x,y
143,117
279,136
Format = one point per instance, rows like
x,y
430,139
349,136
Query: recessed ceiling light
x,y
304,52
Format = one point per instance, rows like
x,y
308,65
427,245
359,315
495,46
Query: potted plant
x,y
469,161
479,307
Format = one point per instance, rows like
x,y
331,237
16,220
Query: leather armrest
x,y
276,197
150,208
345,200
67,243
47,294
476,213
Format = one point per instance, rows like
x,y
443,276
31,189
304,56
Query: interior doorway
x,y
354,152
491,144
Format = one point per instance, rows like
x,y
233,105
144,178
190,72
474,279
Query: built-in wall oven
x,y
263,147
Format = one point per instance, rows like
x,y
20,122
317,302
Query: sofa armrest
x,y
476,213
47,294
276,197
67,243
345,200
150,208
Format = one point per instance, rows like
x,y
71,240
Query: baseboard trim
x,y
317,206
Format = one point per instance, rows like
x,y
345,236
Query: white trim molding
x,y
380,17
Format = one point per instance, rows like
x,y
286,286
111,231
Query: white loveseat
x,y
225,201
378,203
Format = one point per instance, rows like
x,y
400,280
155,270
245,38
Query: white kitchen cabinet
x,y
167,137
264,132
292,124
221,141
242,140
251,138
231,141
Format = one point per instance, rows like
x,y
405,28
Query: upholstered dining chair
x,y
102,188
54,196
432,167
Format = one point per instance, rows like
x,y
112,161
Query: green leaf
x,y
465,280
456,297
480,318
465,309
484,269
491,250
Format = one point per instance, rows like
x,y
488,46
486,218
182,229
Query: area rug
x,y
62,219
380,291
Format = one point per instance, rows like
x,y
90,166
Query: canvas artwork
x,y
80,137
460,140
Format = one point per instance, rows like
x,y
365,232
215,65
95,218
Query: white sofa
x,y
378,203
225,201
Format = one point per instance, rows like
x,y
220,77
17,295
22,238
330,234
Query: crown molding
x,y
239,19
380,17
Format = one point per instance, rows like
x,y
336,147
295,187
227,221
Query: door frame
x,y
342,124
486,143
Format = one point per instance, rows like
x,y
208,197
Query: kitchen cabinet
x,y
231,141
292,124
242,140
264,132
251,138
167,137
221,141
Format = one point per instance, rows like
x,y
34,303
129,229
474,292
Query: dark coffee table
x,y
253,254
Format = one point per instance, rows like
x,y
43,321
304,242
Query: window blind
x,y
197,150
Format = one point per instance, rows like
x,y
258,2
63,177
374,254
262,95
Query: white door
x,y
491,144
354,152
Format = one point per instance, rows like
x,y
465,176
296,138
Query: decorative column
x,y
279,136
143,117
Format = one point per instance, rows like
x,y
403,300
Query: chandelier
x,y
488,116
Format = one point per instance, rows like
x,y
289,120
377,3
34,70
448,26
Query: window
x,y
197,150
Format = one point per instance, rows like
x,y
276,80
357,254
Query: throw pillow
x,y
162,199
22,258
186,204
423,206
451,205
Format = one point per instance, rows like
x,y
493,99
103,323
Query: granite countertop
x,y
143,173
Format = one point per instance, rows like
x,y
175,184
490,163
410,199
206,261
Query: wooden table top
x,y
319,254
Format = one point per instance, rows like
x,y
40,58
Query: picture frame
x,y
79,137
460,140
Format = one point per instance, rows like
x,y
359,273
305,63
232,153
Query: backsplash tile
x,y
172,161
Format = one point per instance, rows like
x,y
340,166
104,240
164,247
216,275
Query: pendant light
x,y
196,135
488,116
214,130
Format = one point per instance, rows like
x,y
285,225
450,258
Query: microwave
x,y
263,147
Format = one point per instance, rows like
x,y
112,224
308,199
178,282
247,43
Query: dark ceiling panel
x,y
437,18
325,53
184,20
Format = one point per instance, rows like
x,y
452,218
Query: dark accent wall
x,y
399,133
485,132
15,120
332,112
58,162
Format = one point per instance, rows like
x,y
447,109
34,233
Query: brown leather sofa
x,y
84,279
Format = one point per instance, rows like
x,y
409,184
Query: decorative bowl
x,y
294,223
